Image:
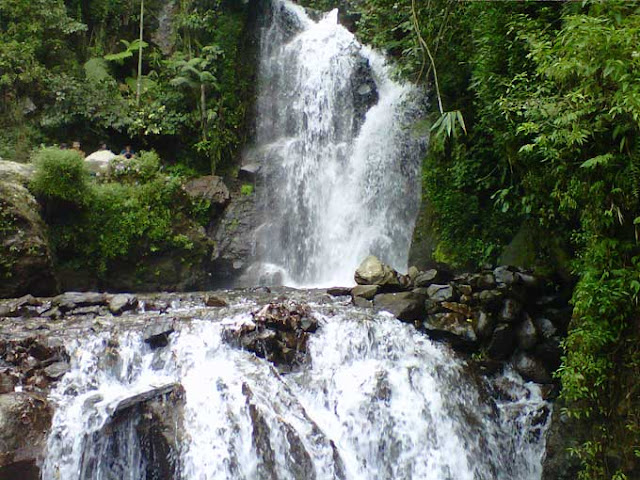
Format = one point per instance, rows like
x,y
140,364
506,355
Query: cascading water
x,y
377,400
339,161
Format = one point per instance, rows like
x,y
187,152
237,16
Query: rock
x,y
215,301
455,328
25,419
249,172
339,291
145,396
157,332
458,308
70,300
482,281
209,188
546,328
464,289
27,262
362,302
490,299
550,353
123,302
405,306
413,273
502,342
510,310
564,433
526,334
56,370
505,275
424,279
365,291
373,272
530,368
7,382
440,293
484,325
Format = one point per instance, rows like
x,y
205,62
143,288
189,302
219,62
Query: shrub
x,y
141,168
60,175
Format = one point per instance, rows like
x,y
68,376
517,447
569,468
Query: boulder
x,y
505,275
510,310
26,262
526,334
339,291
440,293
56,370
373,272
550,353
453,327
460,308
25,419
490,299
405,306
365,291
71,300
211,300
424,279
484,325
545,327
209,188
502,342
530,368
157,331
482,281
249,172
118,304
362,302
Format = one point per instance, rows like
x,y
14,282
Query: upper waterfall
x,y
340,167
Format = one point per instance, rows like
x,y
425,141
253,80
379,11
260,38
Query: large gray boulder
x,y
26,264
452,327
209,188
406,306
373,272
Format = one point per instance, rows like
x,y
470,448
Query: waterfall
x,y
377,400
339,161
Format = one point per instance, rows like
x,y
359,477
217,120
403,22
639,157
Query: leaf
x,y
597,161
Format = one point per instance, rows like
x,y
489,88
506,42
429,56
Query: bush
x,y
60,175
141,168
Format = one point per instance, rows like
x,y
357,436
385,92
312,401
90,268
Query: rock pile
x,y
504,314
278,332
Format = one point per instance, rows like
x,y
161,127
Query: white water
x,y
340,169
377,401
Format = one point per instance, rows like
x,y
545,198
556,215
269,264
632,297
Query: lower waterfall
x,y
376,400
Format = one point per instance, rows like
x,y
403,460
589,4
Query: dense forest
x,y
534,154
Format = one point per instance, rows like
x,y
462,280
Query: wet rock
x,y
530,368
505,275
362,302
249,172
510,310
56,370
440,293
453,327
209,188
365,291
25,419
424,279
413,273
526,334
339,291
482,281
550,353
156,333
545,328
70,300
564,433
458,308
502,342
484,325
215,301
406,306
464,289
7,382
373,272
123,302
490,299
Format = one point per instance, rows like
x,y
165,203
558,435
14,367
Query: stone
x,y
530,368
215,301
7,382
210,188
440,293
482,281
249,172
526,334
424,279
56,370
510,310
502,342
545,327
405,306
339,291
365,291
156,332
505,275
484,325
70,300
490,299
452,327
458,308
373,272
27,262
362,302
122,302
550,353
464,289
413,273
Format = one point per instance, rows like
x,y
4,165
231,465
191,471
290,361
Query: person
x,y
127,152
76,146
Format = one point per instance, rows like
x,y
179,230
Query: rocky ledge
x,y
501,315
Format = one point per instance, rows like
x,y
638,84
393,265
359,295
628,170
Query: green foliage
x,y
130,48
60,175
138,169
246,189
